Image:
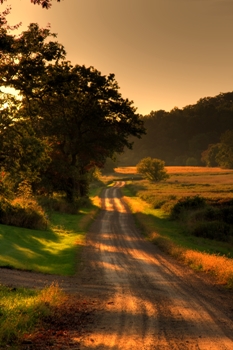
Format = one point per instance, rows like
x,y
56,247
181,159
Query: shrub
x,y
210,213
152,169
206,214
217,230
187,204
59,204
227,215
31,216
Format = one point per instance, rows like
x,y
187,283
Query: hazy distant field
x,y
201,175
212,183
178,169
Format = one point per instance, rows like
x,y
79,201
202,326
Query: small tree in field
x,y
152,169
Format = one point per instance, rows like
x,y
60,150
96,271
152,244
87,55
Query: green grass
x,y
52,251
21,309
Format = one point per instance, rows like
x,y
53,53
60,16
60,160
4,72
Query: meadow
x,y
152,205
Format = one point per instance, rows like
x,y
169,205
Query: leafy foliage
x,y
152,169
209,156
217,230
187,204
22,214
225,155
69,120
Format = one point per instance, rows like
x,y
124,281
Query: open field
x,y
177,169
152,203
212,183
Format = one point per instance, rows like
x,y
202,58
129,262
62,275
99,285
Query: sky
x,y
164,53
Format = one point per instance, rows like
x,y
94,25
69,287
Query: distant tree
x,y
191,161
225,154
209,156
152,169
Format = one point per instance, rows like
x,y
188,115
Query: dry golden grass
x,y
212,183
195,169
126,170
220,267
178,170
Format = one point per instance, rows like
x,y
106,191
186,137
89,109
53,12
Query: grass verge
x,y
200,254
21,309
54,251
51,251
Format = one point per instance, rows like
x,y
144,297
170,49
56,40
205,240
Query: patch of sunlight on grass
x,y
27,252
54,251
55,248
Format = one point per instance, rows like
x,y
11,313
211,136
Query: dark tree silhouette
x,y
44,3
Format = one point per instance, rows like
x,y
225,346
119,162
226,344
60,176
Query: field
x,y
213,183
152,204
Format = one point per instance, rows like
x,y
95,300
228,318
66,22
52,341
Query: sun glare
x,y
10,90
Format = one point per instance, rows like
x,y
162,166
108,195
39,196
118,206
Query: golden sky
x,y
164,53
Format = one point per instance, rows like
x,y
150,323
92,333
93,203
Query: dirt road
x,y
147,300
142,298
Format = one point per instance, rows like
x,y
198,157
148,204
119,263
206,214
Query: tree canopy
x,y
152,169
72,115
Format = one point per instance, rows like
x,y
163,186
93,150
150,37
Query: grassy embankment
x,y
151,204
53,251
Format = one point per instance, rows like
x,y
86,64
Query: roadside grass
x,y
151,204
51,251
22,309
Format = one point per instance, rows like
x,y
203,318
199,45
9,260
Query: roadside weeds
x,y
219,267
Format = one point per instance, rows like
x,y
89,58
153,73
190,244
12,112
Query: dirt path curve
x,y
143,299
147,300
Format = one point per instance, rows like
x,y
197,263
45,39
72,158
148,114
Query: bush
x,y
217,230
187,204
60,204
227,215
14,214
209,213
152,169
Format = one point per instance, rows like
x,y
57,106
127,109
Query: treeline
x,y
180,136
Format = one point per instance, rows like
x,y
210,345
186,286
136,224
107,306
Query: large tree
x,y
79,112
